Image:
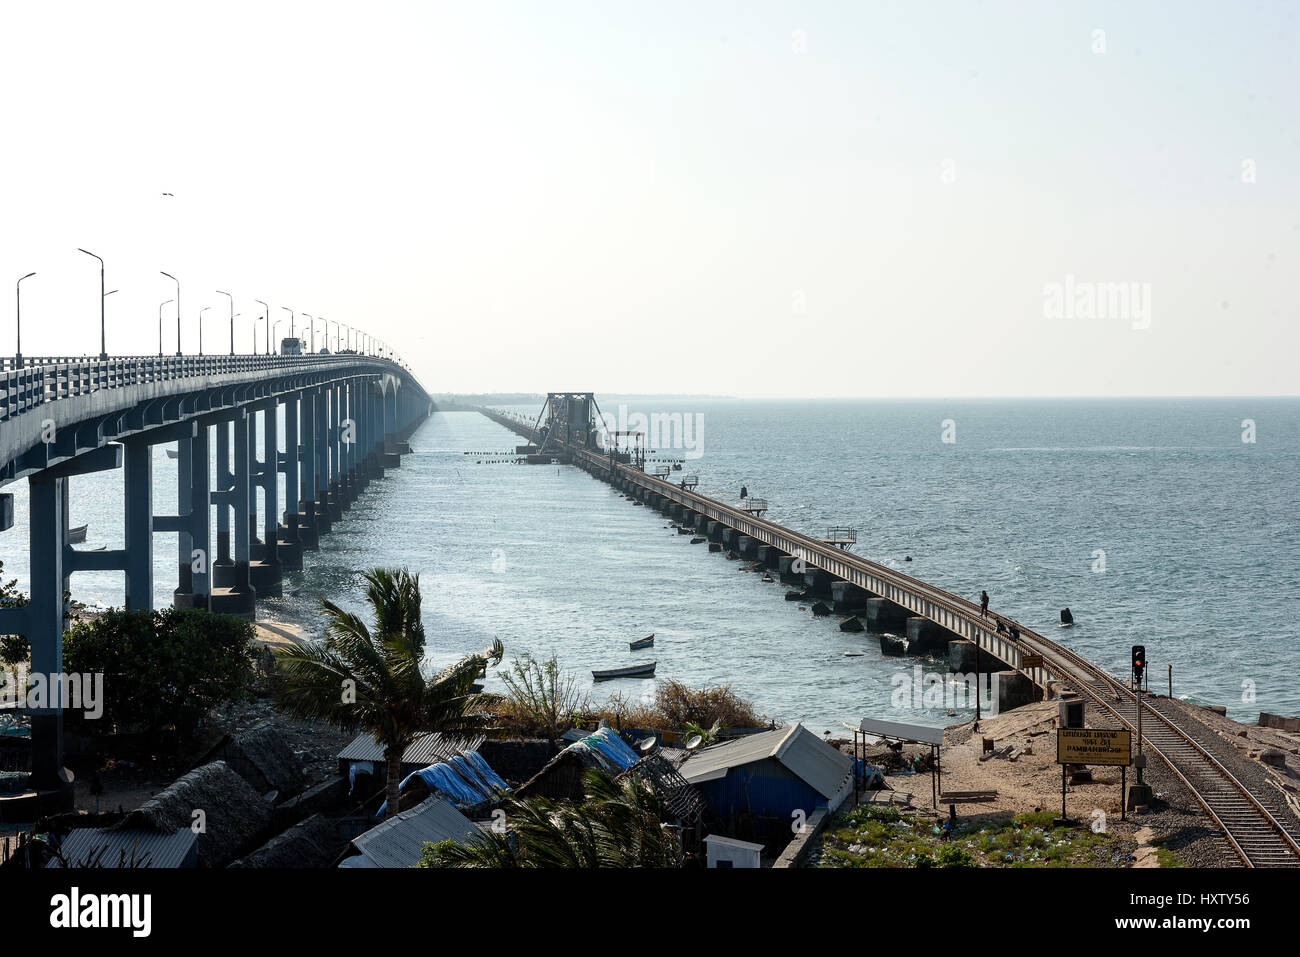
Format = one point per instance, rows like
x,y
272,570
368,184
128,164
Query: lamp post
x,y
272,335
313,332
349,329
160,309
201,312
103,349
18,292
267,319
178,309
291,318
232,319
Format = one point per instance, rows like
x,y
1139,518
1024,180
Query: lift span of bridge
x,y
1252,824
346,419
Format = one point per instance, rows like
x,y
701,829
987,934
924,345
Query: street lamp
x,y
18,292
313,332
267,319
349,329
103,350
232,319
291,318
271,334
160,309
201,312
178,309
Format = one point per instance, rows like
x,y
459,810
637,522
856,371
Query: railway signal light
x,y
1139,662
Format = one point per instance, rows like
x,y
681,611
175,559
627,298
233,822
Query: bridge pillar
x,y
885,615
925,636
48,534
309,517
223,566
193,497
320,439
817,582
786,566
375,432
239,597
266,573
347,438
848,597
332,420
291,544
137,483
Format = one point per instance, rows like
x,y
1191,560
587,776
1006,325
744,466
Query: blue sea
x,y
1152,520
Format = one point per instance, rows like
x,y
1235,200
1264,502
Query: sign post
x,y
1092,746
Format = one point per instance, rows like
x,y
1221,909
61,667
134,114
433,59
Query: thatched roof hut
x,y
232,814
311,843
262,758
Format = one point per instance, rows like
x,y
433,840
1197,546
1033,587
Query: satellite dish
x,y
694,741
648,745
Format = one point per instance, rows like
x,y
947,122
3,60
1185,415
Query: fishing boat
x,y
631,671
173,453
647,642
77,535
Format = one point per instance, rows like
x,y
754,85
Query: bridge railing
x,y
44,380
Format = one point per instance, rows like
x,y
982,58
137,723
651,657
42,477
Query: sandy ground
x,y
272,634
1027,778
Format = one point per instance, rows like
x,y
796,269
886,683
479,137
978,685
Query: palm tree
x,y
372,677
620,824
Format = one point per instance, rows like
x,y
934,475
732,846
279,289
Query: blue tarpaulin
x,y
485,771
611,746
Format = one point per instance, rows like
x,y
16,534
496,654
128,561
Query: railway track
x,y
1251,828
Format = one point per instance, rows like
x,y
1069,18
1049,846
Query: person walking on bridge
x,y
984,603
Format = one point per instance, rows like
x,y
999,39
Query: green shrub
x,y
163,670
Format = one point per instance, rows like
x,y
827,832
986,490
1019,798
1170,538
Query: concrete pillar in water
x,y
714,532
334,419
290,549
137,484
885,615
239,597
222,567
817,582
308,520
786,565
849,598
324,513
745,545
926,637
266,574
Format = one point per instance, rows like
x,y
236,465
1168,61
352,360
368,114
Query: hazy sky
x,y
829,199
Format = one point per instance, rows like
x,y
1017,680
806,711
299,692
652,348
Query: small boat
x,y
647,642
173,453
631,671
77,535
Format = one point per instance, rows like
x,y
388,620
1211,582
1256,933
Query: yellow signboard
x,y
1092,746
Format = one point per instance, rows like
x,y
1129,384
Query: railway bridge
x,y
1258,827
345,419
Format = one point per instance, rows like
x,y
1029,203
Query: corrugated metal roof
x,y
903,732
428,748
399,841
803,753
148,848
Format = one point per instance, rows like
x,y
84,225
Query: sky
x,y
751,199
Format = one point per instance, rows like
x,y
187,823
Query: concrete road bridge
x,y
346,418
